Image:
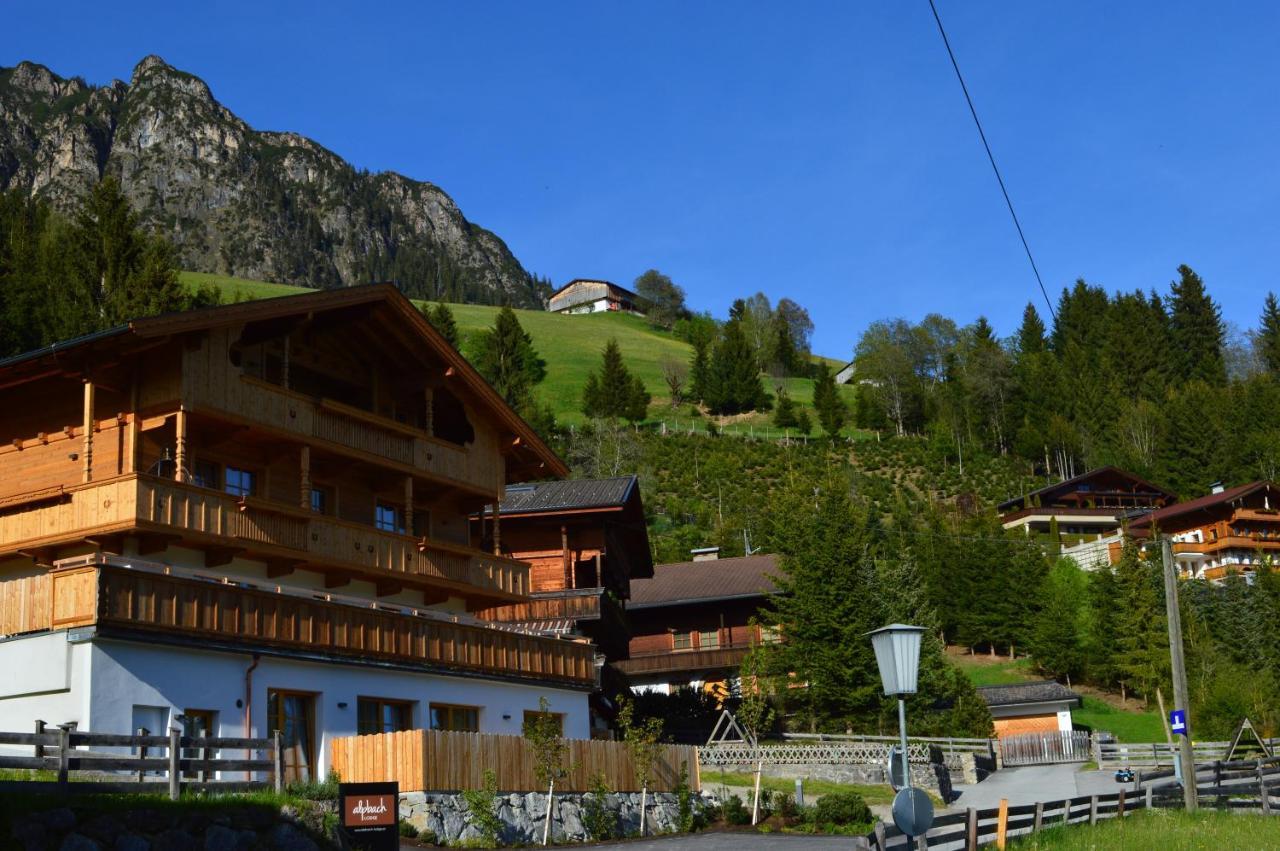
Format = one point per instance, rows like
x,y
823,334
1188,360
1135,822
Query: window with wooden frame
x,y
322,501
532,716
240,482
383,715
388,517
450,716
709,639
681,640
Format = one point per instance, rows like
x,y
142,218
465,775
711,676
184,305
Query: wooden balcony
x,y
272,532
711,660
346,429
127,601
582,604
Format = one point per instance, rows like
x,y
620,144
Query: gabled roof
x,y
568,495
377,296
1209,501
610,284
1046,691
701,581
1069,485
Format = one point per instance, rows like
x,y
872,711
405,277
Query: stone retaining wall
x,y
523,814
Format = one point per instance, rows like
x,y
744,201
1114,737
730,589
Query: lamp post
x,y
897,649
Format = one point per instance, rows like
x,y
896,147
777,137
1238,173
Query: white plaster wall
x,y
43,677
127,674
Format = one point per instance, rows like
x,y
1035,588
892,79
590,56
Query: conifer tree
x,y
784,410
1031,340
505,356
785,354
614,392
1196,332
732,384
1267,339
804,423
1059,631
1141,639
699,367
441,318
827,404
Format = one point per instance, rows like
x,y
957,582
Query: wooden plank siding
x,y
25,604
269,530
441,761
143,601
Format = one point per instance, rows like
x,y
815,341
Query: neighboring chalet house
x,y
1231,530
582,295
1089,511
586,542
691,623
1035,707
255,518
846,373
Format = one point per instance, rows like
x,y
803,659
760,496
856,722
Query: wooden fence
x,y
1118,755
181,760
441,761
1236,786
1046,748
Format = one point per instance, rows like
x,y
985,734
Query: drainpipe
x,y
248,706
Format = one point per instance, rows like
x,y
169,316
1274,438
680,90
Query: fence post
x,y
1120,803
277,761
1039,817
175,776
1150,796
1002,824
971,837
39,746
64,753
1093,809
1262,791
142,752
880,840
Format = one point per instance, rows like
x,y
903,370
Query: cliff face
x,y
238,201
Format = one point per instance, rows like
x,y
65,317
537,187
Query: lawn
x,y
1168,830
983,671
713,779
571,346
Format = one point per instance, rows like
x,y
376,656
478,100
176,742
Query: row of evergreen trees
x,y
1137,379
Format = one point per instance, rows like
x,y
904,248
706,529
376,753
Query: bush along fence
x,y
141,762
1242,786
440,761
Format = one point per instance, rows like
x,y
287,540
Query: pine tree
x,y
732,384
1142,643
784,410
699,366
785,354
804,423
1196,332
505,356
1059,633
1267,339
827,404
1031,339
614,392
441,318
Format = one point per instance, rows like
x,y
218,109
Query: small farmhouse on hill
x,y
583,295
1036,707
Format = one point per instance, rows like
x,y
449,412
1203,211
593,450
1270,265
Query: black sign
x,y
369,816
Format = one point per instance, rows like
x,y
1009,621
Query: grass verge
x,y
712,780
1168,830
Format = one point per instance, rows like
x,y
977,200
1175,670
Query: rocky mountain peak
x,y
237,201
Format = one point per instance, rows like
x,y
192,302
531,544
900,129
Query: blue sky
x,y
820,151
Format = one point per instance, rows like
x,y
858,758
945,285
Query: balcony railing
x,y
349,428
581,604
262,529
134,600
709,659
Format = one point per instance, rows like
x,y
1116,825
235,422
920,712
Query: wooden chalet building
x,y
691,622
1032,707
586,542
256,517
1231,530
583,295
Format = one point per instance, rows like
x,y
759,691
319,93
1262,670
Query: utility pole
x,y
1179,666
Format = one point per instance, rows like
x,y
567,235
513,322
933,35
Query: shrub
x,y
735,812
787,806
599,821
841,808
314,790
684,802
482,806
407,830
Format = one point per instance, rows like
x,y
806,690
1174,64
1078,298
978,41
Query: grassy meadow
x,y
1168,830
571,346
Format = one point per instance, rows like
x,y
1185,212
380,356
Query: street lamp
x,y
897,649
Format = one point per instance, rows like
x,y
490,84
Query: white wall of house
x,y
111,686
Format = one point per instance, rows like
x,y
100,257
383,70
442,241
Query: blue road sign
x,y
1178,721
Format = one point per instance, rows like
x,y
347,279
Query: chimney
x,y
1216,487
705,553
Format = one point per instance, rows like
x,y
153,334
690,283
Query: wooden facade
x,y
1230,531
322,441
1096,502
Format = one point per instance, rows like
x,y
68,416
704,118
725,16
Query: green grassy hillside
x,y
571,346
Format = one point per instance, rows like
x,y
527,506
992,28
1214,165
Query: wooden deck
x,y
255,528
142,601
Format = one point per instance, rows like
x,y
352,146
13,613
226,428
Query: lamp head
x,y
897,649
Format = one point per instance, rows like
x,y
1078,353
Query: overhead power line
x,y
992,159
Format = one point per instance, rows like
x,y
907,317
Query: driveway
x,y
1031,783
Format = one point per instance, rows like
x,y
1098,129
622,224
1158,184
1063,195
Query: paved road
x,y
1032,783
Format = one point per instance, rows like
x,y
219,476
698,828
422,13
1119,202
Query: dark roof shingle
x,y
714,579
1036,692
567,495
1208,501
